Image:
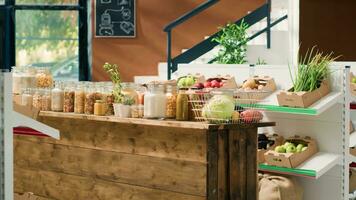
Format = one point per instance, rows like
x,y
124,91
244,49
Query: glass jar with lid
x,y
79,98
44,77
46,100
36,99
99,108
182,113
27,97
90,98
69,94
171,95
109,99
23,78
141,90
57,97
155,102
129,89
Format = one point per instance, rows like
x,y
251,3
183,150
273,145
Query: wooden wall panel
x,y
61,186
140,56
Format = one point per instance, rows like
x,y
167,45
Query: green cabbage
x,y
219,107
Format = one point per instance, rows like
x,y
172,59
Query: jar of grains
x,y
155,102
44,77
26,98
89,99
171,95
57,97
46,100
68,101
36,98
79,98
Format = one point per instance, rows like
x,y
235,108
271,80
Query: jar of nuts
x,y
44,77
90,98
69,94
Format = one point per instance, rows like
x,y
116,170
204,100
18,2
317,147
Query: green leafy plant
x,y
312,69
113,71
260,61
128,100
233,41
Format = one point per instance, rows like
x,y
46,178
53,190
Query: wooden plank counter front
x,y
108,158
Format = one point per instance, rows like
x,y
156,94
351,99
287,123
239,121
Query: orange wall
x,y
140,56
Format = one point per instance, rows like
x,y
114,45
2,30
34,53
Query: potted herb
x,y
123,109
310,81
233,41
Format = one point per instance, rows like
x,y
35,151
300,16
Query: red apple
x,y
221,84
207,84
199,85
215,84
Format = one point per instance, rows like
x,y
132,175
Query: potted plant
x,y
123,109
310,82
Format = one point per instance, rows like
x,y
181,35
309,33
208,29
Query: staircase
x,y
257,49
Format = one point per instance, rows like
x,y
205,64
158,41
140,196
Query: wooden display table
x,y
108,158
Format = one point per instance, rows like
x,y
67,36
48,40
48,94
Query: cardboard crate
x,y
229,81
352,85
303,99
268,87
278,140
292,160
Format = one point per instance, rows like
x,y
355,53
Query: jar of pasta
x,y
44,77
171,95
79,98
69,94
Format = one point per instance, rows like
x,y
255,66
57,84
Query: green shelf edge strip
x,y
306,111
304,172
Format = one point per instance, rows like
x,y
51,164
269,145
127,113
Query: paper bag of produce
x,y
272,187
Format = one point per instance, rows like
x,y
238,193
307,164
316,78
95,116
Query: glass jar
x,y
99,108
129,89
137,111
155,102
69,94
90,98
141,90
182,113
109,99
79,98
27,97
57,97
36,99
171,96
44,77
46,100
23,78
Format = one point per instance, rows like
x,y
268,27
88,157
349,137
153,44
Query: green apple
x,y
189,81
354,80
181,82
287,144
304,148
291,149
299,148
280,149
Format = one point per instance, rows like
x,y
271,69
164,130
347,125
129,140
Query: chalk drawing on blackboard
x,y
124,3
127,27
105,1
126,14
107,25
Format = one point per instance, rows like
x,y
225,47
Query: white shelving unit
x,y
325,175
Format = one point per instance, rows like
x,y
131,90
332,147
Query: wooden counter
x,y
110,158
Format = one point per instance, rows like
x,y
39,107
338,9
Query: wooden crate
x,y
107,160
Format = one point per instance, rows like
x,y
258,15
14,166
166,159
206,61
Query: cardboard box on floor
x,y
292,160
303,99
278,140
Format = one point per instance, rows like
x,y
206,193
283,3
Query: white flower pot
x,y
121,110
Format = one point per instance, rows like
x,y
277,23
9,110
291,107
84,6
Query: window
x,y
51,33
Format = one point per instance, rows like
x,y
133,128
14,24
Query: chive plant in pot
x,y
123,109
310,81
113,71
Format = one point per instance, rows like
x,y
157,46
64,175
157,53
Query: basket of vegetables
x,y
220,106
311,81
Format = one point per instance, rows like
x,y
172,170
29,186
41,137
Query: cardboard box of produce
x,y
352,84
353,151
278,140
257,87
226,82
303,99
292,160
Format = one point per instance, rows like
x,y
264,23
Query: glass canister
x,y
129,89
27,97
17,73
141,90
155,102
36,99
99,87
23,78
109,99
57,97
99,108
44,77
182,113
46,100
69,94
90,98
171,95
79,98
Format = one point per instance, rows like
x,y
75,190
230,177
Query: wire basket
x,y
221,107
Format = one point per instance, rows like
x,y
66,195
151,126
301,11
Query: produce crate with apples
x,y
219,106
292,153
256,87
267,142
352,84
190,80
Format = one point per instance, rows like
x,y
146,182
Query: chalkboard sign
x,y
115,18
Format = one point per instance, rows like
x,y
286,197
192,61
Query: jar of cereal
x,y
44,77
